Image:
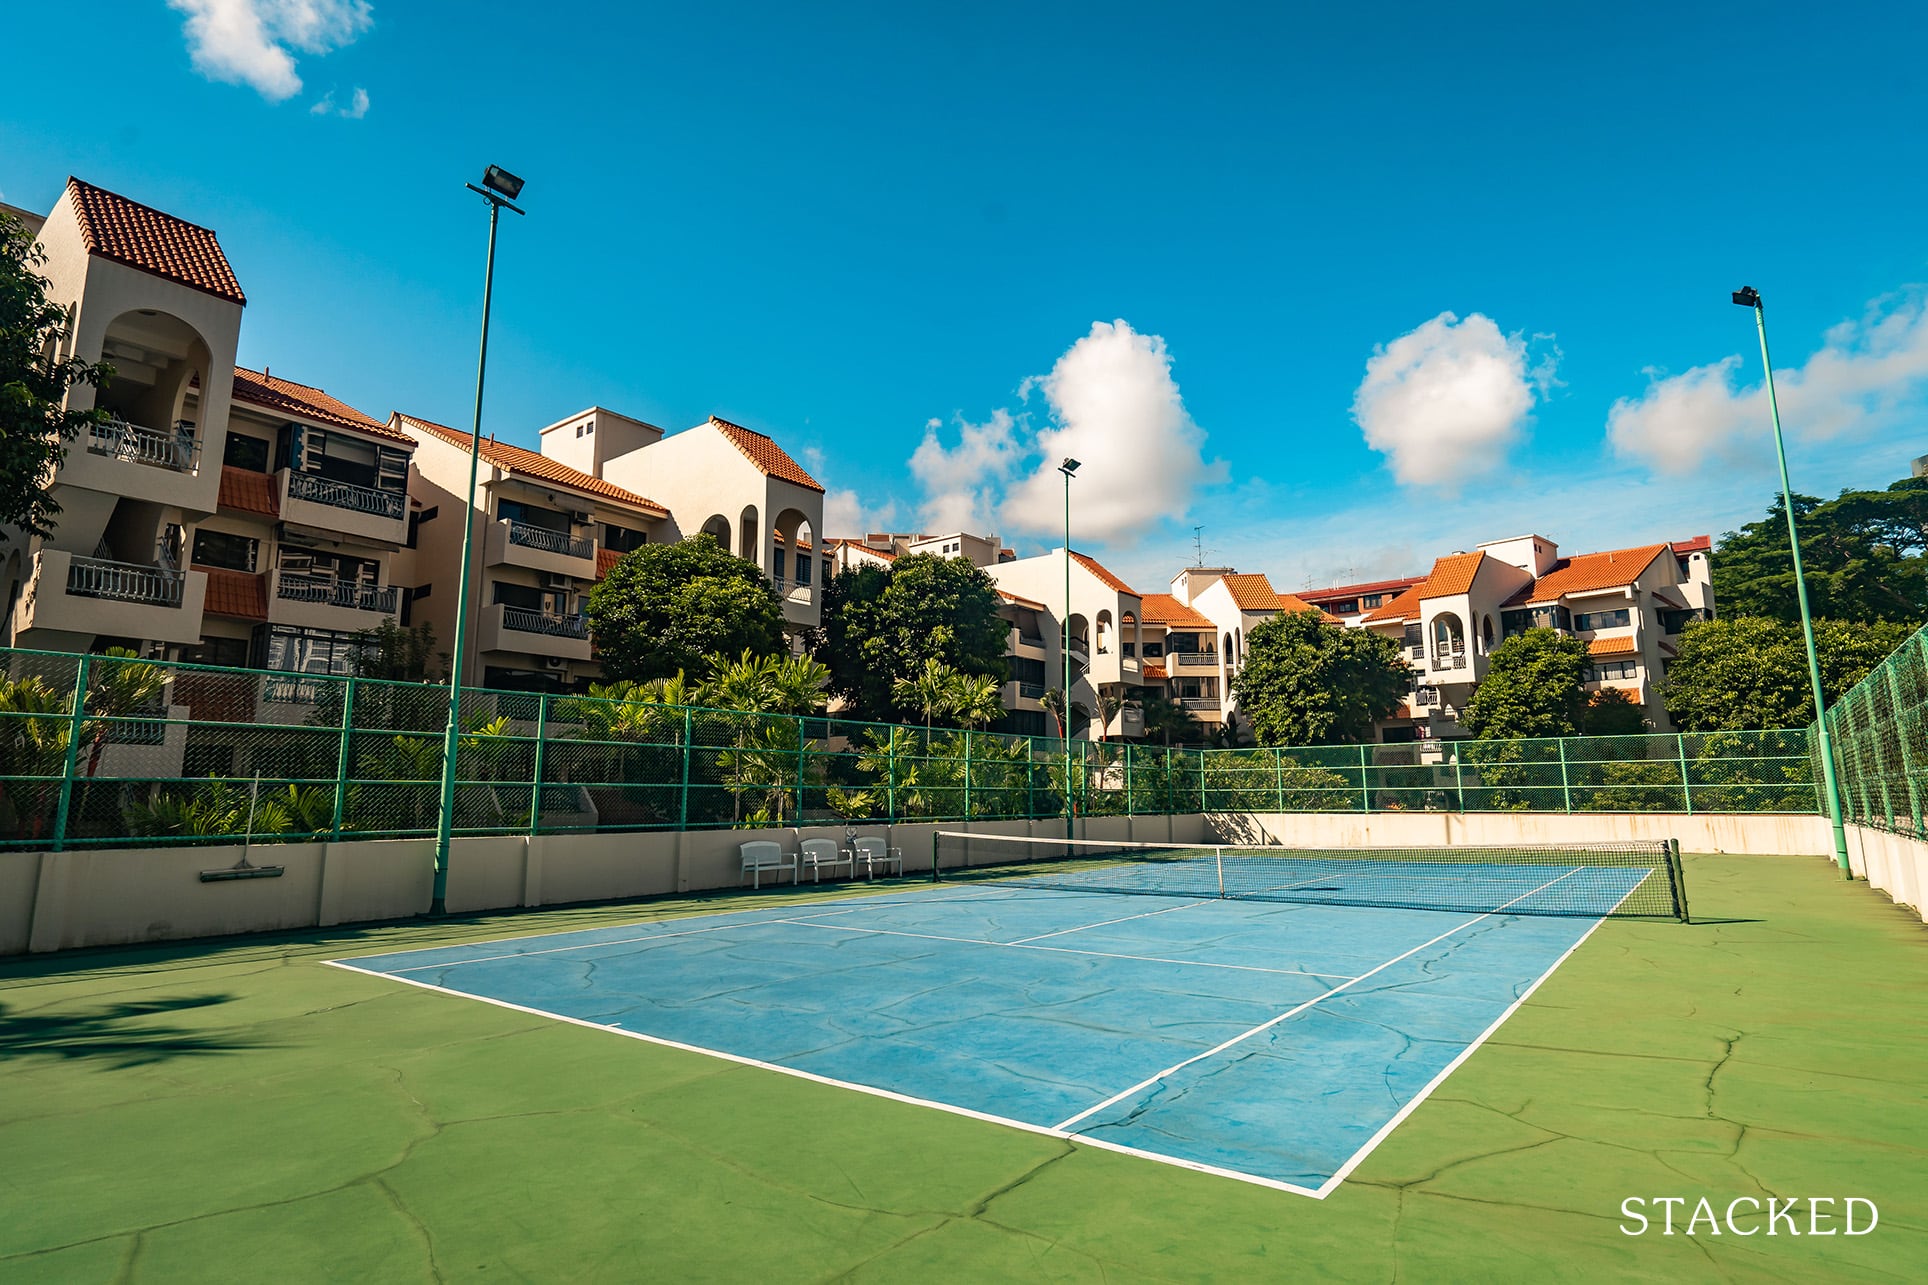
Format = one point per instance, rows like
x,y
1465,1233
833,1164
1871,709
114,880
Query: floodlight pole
x,y
1064,657
1833,787
452,734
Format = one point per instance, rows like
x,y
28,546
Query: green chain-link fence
x,y
1880,733
102,750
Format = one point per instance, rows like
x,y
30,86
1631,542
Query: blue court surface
x,y
1272,1042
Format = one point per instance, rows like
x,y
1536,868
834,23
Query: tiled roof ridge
x,y
129,232
1452,574
1103,573
261,388
508,456
765,453
1166,609
1397,583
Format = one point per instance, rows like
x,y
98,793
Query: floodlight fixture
x,y
1069,466
1747,297
499,180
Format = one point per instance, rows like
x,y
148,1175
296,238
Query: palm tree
x,y
1168,720
929,692
126,687
975,700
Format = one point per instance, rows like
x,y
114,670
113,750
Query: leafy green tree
x,y
881,625
1865,554
1611,712
1168,722
400,655
685,606
1309,682
1744,672
35,424
1532,688
942,694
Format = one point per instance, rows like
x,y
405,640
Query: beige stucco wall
x,y
1771,834
1895,864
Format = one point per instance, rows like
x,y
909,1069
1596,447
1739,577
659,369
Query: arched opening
x,y
1229,654
718,529
154,400
751,541
1486,635
1449,642
1078,641
790,561
1129,635
1104,633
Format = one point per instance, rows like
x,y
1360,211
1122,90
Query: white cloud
x,y
1867,376
1444,402
252,42
964,483
356,109
847,516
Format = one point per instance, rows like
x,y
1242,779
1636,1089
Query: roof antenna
x,y
1198,546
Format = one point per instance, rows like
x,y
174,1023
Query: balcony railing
x,y
536,537
336,593
1030,640
290,691
526,621
346,495
1193,659
173,448
1206,703
1035,691
124,582
1449,660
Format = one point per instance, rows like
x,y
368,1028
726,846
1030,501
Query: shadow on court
x,y
118,1035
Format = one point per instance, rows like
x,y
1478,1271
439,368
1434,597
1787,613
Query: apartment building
x,y
1027,660
1231,603
1104,635
1180,656
1350,604
1628,605
544,533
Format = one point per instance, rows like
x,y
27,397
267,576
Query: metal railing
x,y
336,593
523,620
1207,703
1449,660
350,757
1193,659
535,537
1030,640
124,582
175,449
316,489
1032,691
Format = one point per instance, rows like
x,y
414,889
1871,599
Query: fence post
x,y
1686,786
77,716
802,767
1459,782
1278,775
1566,788
689,752
1201,782
1365,790
1030,777
1907,759
542,744
1130,749
890,775
967,775
342,755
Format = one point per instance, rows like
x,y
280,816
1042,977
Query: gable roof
x,y
242,595
1694,544
1164,609
1591,573
525,463
1319,597
1452,574
761,450
1251,591
1624,646
141,237
1097,569
285,396
1404,607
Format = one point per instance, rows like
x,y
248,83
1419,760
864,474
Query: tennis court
x,y
1275,1033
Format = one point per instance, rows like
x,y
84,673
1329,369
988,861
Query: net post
x,y
1679,880
1365,788
935,877
542,745
1219,856
1566,787
77,717
342,754
1686,787
689,752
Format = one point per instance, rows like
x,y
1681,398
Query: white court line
x,y
1063,950
608,1029
1294,1012
1102,923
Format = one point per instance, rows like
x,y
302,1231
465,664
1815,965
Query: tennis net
x,y
1634,880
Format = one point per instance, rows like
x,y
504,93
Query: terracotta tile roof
x,y
246,491
1008,596
240,595
1452,574
763,452
1319,597
1155,670
127,232
1624,646
528,464
1164,609
1694,544
1291,602
1593,572
605,559
1404,607
1252,592
1095,568
285,396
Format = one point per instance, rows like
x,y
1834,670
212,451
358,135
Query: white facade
x,y
1104,631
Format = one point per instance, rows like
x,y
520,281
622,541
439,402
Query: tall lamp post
x,y
1749,297
1067,468
500,189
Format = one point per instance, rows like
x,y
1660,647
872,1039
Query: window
x,y
1672,622
1131,649
232,652
1619,618
803,568
579,428
1346,607
242,451
531,515
1550,617
342,458
1601,671
589,429
229,552
1154,650
1372,600
621,539
310,651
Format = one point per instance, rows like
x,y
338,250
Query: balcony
x,y
323,602
1034,641
527,632
519,544
344,508
173,449
1449,660
1200,704
1191,660
74,599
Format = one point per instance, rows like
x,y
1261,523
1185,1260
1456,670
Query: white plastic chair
x,y
873,852
763,855
822,854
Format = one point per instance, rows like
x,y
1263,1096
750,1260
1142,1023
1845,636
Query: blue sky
x,y
1351,289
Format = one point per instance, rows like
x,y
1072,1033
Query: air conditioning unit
x,y
554,662
556,580
581,517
